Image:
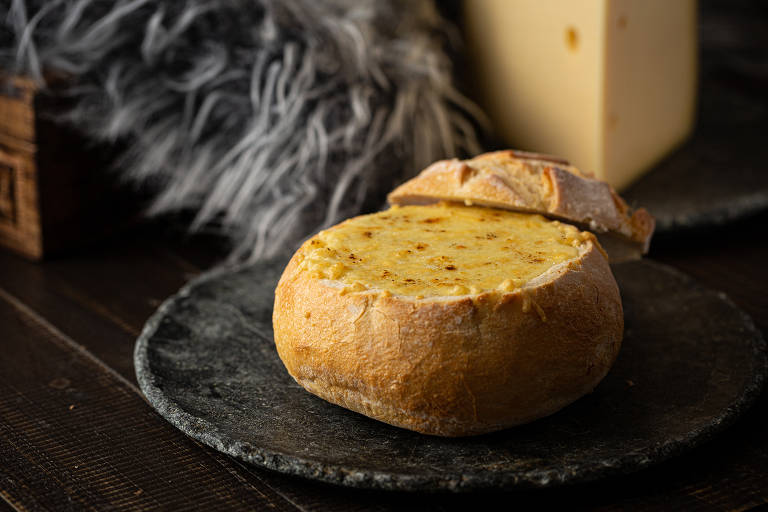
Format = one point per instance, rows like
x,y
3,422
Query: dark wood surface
x,y
75,433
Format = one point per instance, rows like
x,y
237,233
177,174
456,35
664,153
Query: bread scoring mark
x,y
361,310
464,172
527,155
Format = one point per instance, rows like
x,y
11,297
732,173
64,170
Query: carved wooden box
x,y
56,190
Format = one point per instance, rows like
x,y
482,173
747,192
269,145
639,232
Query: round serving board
x,y
691,364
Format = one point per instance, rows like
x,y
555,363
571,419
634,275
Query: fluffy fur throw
x,y
268,118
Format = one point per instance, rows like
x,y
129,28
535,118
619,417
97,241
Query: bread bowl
x,y
462,310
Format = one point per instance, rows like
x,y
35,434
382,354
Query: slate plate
x,y
691,364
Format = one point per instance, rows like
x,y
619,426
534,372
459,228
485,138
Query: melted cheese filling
x,y
442,249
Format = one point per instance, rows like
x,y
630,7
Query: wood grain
x,y
76,435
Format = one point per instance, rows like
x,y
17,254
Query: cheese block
x,y
449,319
609,83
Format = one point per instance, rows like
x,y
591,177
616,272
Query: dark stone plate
x,y
691,364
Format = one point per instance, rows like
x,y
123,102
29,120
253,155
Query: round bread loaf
x,y
447,319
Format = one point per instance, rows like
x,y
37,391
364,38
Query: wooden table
x,y
76,433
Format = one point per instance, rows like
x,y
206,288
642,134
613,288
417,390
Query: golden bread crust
x,y
530,182
458,365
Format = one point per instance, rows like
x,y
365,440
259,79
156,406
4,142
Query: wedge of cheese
x,y
609,84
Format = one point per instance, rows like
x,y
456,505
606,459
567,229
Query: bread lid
x,y
535,183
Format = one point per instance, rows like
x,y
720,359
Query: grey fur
x,y
269,119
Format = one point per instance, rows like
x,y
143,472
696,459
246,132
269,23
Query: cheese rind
x,y
608,84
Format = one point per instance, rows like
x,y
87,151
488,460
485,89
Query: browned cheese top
x,y
439,250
